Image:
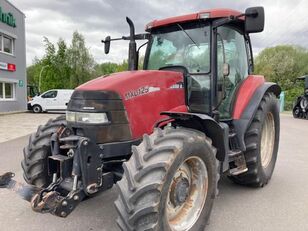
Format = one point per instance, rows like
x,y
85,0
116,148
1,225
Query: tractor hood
x,y
131,84
144,95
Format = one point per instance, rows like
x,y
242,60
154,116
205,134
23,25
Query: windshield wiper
x,y
187,35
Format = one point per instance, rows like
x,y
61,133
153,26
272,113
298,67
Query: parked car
x,y
52,100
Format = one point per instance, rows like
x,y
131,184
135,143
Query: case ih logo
x,y
7,66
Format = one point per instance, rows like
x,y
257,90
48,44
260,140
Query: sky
x,y
285,21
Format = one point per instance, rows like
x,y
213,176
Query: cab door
x,y
231,50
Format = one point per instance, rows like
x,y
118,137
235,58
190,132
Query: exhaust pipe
x,y
132,51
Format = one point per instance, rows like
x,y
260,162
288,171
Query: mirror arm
x,y
231,18
137,37
223,21
113,39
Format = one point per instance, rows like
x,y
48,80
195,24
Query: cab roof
x,y
204,14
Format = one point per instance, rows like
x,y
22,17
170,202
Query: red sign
x,y
11,67
7,66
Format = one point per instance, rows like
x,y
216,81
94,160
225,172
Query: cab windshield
x,y
183,45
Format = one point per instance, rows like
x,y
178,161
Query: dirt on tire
x,y
148,174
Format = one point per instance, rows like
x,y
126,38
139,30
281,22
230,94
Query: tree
x,y
33,72
64,67
105,68
80,61
55,65
109,68
283,64
61,65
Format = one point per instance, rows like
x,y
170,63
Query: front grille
x,y
104,102
100,101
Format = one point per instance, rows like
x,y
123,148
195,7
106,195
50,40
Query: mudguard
x,y
218,132
241,125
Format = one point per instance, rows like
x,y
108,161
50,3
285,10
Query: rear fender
x,y
218,132
241,125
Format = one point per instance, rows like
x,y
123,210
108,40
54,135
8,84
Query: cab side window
x,y
50,94
235,54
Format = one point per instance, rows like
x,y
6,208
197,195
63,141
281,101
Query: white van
x,y
52,100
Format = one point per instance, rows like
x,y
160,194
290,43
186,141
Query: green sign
x,y
7,18
20,83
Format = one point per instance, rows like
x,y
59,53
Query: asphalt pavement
x,y
16,125
281,205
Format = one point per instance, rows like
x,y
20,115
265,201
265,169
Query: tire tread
x,y
36,152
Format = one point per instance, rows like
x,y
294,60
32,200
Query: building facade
x,y
13,82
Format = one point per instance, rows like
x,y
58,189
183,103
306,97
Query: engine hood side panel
x,y
144,93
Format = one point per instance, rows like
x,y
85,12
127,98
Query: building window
x,y
6,44
1,91
7,91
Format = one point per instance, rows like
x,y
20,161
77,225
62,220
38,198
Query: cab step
x,y
237,162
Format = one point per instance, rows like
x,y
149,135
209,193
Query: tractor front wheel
x,y
36,153
169,183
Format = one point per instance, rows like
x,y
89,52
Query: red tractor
x,y
165,134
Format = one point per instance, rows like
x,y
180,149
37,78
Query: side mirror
x,y
226,69
254,19
107,44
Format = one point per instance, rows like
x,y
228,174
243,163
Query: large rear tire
x,y
262,140
36,153
169,183
296,112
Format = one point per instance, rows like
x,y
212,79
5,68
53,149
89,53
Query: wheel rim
x,y
187,194
36,109
296,111
267,140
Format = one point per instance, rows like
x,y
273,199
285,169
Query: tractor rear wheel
x,y
262,140
36,153
296,112
169,183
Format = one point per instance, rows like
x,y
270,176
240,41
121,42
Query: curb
x,y
12,112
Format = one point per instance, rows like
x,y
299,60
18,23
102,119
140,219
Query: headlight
x,y
85,117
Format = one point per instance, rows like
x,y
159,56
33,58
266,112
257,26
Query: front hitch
x,y
65,192
47,200
52,202
75,175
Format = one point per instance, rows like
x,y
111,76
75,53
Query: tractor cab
x,y
211,48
